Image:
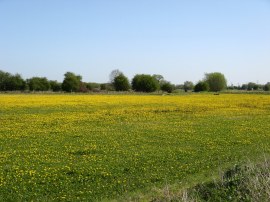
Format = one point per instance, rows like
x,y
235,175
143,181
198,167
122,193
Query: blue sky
x,y
178,39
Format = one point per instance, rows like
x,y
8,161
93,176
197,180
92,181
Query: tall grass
x,y
250,182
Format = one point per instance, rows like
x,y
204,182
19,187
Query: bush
x,y
71,82
267,87
252,86
144,83
201,86
38,84
93,86
121,83
167,87
9,82
55,86
216,81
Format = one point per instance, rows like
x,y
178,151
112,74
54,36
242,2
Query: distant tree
x,y
83,88
144,83
107,87
267,87
158,77
201,86
179,86
121,83
103,86
55,86
16,82
9,82
216,81
188,85
71,82
167,87
4,77
113,74
252,86
93,86
244,87
38,84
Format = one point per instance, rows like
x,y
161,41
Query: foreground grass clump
x,y
81,147
249,182
241,183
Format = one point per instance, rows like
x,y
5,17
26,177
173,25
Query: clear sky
x,y
179,39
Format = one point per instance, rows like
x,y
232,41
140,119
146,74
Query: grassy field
x,y
94,147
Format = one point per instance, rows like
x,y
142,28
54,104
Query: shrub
x,y
144,83
38,84
216,81
267,87
121,83
167,87
71,82
201,86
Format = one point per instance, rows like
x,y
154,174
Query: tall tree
x,y
38,84
9,82
71,82
144,83
252,86
267,87
113,74
216,81
55,86
4,79
121,83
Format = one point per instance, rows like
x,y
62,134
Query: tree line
x,y
72,82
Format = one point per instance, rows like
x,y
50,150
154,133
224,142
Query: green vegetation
x,y
71,82
119,82
216,81
201,86
38,84
88,148
166,86
144,83
248,182
188,86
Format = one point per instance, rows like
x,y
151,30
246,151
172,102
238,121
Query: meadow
x,y
94,147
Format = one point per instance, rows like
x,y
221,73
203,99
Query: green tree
x,y
144,83
16,82
93,86
167,87
71,82
201,86
216,81
55,86
38,84
252,86
244,87
267,87
83,88
188,85
103,86
113,74
9,82
121,83
4,77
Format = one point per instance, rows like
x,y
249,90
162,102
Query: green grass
x,y
92,148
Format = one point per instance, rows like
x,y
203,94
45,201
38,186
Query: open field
x,y
93,147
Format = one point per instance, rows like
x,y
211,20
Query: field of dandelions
x,y
94,147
